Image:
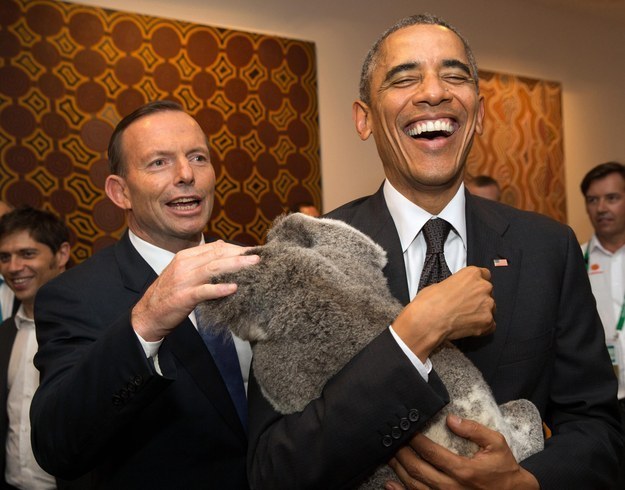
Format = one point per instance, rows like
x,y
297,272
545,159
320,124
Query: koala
x,y
315,299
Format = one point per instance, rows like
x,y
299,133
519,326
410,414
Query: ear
x,y
362,119
117,191
479,127
62,255
294,229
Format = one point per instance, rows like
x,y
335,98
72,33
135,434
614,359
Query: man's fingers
x,y
479,434
405,474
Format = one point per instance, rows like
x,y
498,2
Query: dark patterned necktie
x,y
435,268
221,347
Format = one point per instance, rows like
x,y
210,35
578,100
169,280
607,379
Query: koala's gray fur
x,y
316,298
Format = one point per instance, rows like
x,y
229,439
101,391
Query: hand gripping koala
x,y
315,299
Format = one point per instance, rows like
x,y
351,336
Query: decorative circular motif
x,y
85,28
167,77
204,85
89,63
63,202
96,135
54,125
239,50
44,20
14,81
166,42
202,48
90,97
51,86
20,159
18,121
59,164
126,36
46,54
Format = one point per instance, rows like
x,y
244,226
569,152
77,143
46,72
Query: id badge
x,y
614,351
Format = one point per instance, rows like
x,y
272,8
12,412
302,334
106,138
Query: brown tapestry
x,y
69,73
522,143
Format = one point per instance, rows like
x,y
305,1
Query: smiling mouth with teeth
x,y
184,203
431,129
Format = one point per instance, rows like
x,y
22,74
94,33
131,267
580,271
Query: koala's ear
x,y
295,228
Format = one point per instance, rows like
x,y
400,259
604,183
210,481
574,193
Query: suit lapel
x,y
188,347
486,231
374,219
8,331
184,343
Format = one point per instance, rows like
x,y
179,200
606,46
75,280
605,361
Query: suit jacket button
x,y
117,400
404,424
413,415
395,432
387,441
138,380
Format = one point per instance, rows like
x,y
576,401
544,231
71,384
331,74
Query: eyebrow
x,y
399,68
447,63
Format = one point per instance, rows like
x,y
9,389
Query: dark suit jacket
x,y
101,408
548,347
8,331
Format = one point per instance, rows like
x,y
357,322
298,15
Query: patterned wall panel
x,y
68,73
522,143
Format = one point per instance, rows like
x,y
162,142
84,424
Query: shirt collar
x,y
21,320
595,245
410,218
156,257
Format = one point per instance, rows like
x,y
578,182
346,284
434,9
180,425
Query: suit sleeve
x,y
366,412
95,379
581,409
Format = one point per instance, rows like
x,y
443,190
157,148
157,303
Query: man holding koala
x,y
420,100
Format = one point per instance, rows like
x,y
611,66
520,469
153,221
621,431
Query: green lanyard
x,y
621,319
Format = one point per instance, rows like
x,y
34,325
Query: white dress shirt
x,y
22,471
158,258
409,220
606,272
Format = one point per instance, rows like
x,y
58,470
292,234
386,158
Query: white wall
x,y
584,53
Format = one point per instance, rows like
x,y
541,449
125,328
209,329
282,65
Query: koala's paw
x,y
526,428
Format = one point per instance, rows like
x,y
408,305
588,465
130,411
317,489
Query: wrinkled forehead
x,y
424,44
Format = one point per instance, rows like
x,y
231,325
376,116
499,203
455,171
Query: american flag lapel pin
x,y
500,262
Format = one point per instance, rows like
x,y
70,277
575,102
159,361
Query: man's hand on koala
x,y
423,464
460,306
185,283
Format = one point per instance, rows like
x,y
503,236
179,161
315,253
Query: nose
x,y
14,264
432,90
185,173
602,205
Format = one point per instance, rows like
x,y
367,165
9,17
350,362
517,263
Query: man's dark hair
x,y
483,181
301,204
601,171
116,163
420,19
43,226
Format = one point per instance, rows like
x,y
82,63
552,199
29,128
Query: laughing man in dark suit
x,y
420,101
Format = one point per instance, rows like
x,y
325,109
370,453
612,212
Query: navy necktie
x,y
221,347
435,268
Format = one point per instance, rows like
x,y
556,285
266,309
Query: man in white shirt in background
x,y
34,248
6,293
604,191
